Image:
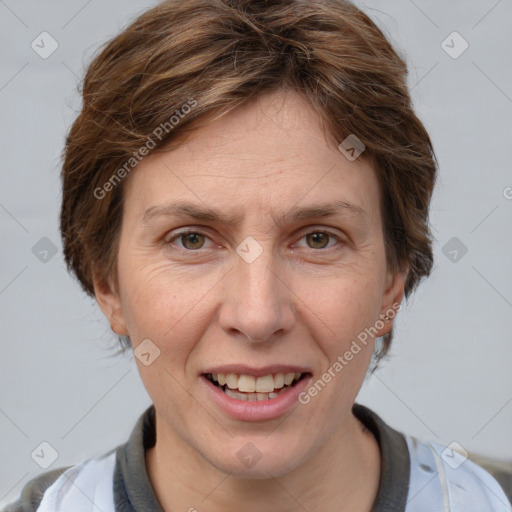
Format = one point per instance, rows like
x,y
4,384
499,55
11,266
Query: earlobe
x,y
110,304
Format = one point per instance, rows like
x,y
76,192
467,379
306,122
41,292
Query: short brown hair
x,y
219,54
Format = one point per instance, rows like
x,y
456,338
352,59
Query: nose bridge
x,y
257,303
258,279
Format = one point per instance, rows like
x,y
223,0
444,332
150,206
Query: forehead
x,y
271,153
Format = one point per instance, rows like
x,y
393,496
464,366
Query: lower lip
x,y
258,410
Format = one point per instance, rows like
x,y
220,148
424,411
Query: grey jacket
x,y
415,477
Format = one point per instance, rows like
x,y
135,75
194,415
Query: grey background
x,y
448,378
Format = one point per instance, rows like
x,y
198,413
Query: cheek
x,y
341,306
339,313
163,303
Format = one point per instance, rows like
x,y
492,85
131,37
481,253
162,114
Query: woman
x,y
246,194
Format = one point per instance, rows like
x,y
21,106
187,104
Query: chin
x,y
256,460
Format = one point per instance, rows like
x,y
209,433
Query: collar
x,y
133,491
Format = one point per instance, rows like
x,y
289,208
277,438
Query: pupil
x,y
320,238
193,239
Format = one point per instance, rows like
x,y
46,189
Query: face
x,y
254,249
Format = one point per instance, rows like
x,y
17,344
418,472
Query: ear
x,y
110,304
392,299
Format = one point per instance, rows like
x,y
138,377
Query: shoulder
x,y
440,474
426,476
70,488
33,491
94,480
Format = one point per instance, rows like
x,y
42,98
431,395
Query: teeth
x,y
251,384
278,380
288,378
246,383
252,397
232,380
265,384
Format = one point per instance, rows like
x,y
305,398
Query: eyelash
x,y
177,236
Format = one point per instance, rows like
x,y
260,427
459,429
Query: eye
x,y
320,239
190,240
195,240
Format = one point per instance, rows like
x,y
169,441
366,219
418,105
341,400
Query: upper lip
x,y
243,369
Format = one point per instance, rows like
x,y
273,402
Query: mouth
x,y
248,388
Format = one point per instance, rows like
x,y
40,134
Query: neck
x,y
343,475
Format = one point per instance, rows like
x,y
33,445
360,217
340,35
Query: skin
x,y
302,301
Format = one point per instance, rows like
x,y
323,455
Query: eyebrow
x,y
205,213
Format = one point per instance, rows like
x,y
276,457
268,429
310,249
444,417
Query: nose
x,y
257,302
